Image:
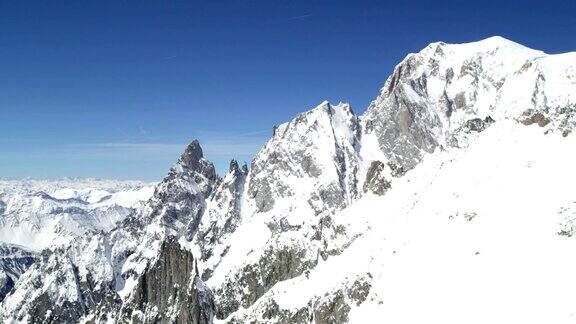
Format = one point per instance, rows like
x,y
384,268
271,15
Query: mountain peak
x,y
236,168
494,44
330,109
193,167
233,166
324,107
324,103
497,41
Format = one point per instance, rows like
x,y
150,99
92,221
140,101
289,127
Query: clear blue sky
x,y
115,89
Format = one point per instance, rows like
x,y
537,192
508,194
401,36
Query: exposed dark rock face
x,y
564,232
396,170
331,307
474,125
6,285
335,307
169,291
403,127
254,280
327,196
531,116
262,194
477,124
567,119
273,312
42,311
375,180
360,289
14,261
560,118
192,156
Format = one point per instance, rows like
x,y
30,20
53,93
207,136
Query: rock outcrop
x,y
169,290
14,261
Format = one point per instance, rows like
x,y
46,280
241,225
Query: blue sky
x,y
115,89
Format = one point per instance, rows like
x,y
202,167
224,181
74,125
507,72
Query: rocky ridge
x,y
14,261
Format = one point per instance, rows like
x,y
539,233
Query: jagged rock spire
x,y
233,166
236,169
192,155
193,165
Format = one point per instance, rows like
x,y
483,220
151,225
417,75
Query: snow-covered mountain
x,y
14,261
37,215
448,200
40,214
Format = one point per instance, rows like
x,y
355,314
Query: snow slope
x,y
457,241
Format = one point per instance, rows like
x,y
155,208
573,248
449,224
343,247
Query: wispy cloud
x,y
215,146
135,156
211,148
264,133
142,131
231,148
146,147
231,145
300,17
291,19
